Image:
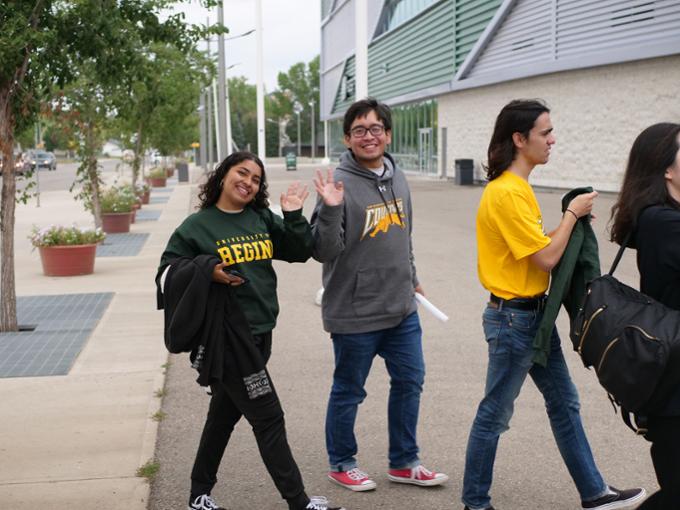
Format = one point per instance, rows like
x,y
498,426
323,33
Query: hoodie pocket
x,y
378,292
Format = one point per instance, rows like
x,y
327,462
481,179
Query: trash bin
x,y
464,172
182,172
291,161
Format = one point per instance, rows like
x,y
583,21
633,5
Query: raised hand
x,y
331,192
294,198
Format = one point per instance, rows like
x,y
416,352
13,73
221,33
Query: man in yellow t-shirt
x,y
515,257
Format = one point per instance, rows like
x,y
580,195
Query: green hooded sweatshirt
x,y
579,264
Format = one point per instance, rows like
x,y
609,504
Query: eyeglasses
x,y
360,131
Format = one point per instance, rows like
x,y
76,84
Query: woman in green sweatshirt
x,y
234,223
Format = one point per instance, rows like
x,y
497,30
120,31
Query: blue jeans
x,y
401,348
510,334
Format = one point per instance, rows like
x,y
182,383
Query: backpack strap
x,y
617,259
635,422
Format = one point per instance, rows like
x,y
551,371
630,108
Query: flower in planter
x,y
157,173
141,189
117,199
60,235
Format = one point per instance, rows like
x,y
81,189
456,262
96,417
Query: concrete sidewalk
x,y
76,441
529,473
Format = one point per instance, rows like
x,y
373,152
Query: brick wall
x,y
597,113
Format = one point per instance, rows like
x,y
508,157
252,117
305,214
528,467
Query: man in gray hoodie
x,y
362,230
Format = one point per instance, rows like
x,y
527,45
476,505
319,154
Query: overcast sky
x,y
291,34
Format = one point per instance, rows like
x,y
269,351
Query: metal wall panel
x,y
525,37
539,37
417,55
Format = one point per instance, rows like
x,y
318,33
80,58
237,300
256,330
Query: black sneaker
x,y
321,503
203,502
615,499
487,508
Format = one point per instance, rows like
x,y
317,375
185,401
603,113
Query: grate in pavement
x,y
63,325
121,245
146,215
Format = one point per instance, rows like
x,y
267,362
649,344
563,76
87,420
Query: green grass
x,y
160,393
158,416
148,470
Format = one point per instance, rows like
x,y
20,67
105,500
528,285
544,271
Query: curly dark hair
x,y
518,116
653,152
210,192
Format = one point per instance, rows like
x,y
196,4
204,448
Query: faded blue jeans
x,y
401,348
510,334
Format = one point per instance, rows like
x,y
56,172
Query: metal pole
x,y
218,137
298,134
230,147
261,148
325,140
361,43
209,115
313,138
221,87
209,104
203,134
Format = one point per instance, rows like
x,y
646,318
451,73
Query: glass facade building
x,y
414,136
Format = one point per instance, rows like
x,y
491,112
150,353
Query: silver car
x,y
36,158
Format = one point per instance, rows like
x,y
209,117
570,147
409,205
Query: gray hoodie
x,y
369,275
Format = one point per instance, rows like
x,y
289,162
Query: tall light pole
x,y
203,134
261,148
297,108
224,116
209,112
311,103
230,147
221,85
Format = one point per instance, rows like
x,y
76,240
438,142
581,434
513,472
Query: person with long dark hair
x,y
240,236
515,257
647,217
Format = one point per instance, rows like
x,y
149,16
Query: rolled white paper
x,y
431,308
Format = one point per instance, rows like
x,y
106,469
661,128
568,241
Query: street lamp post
x,y
297,108
311,104
261,149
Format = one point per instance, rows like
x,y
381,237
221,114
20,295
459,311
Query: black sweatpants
x,y
228,403
664,433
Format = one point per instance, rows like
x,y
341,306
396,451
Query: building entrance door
x,y
425,150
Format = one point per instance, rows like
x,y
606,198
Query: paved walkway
x,y
529,474
76,441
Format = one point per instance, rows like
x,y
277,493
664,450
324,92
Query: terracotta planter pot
x,y
170,172
116,223
157,182
68,260
146,197
133,215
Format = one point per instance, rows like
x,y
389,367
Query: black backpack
x,y
632,342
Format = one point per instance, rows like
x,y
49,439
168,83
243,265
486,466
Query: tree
x,y
300,84
42,46
159,108
242,105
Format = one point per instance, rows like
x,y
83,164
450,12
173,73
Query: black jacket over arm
x,y
203,317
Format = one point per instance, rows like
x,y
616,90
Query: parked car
x,y
20,166
37,158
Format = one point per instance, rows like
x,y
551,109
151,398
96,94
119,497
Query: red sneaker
x,y
354,480
417,476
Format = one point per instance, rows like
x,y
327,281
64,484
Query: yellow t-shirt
x,y
509,230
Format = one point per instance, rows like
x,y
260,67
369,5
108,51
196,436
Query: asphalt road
x,y
529,473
